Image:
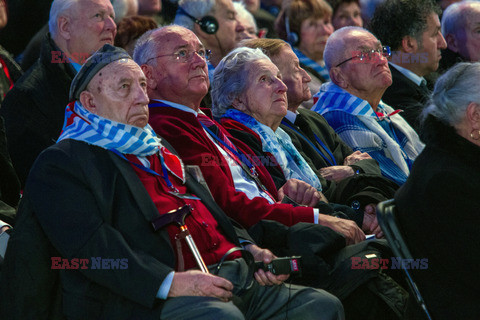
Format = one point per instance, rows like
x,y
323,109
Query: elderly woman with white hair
x,y
249,96
439,205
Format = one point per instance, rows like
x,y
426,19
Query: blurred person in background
x,y
306,25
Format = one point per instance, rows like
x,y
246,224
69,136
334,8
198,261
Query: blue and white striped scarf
x,y
82,125
312,64
280,145
333,98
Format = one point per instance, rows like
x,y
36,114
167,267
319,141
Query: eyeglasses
x,y
183,55
369,55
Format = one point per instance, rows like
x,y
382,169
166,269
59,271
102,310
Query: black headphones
x,y
292,37
208,24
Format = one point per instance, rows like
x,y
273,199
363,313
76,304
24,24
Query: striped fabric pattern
x,y
359,126
312,64
83,125
280,145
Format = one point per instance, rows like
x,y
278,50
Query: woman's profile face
x,y
265,97
313,36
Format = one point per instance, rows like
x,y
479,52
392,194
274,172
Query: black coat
x,y
89,203
404,94
34,109
439,213
309,124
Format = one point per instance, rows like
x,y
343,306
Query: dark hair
x,y
131,28
395,19
335,4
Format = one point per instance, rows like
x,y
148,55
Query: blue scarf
x,y
333,98
82,125
280,145
312,64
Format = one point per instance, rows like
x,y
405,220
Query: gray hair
x,y
456,15
59,8
453,93
121,8
242,12
230,77
336,45
146,47
195,8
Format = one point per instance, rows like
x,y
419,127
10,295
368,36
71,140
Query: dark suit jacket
x,y
406,95
439,214
34,109
312,123
90,203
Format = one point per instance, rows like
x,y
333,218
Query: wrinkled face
x,y
149,7
119,92
265,98
295,78
469,39
247,31
432,43
227,21
175,80
347,14
368,75
91,26
314,35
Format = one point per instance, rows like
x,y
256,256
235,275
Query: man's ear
x,y
64,27
451,42
148,72
337,76
87,100
409,44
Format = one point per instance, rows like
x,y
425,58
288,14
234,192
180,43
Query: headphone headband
x,y
208,24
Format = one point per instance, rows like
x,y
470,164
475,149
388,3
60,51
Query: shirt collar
x,y
291,116
409,74
178,106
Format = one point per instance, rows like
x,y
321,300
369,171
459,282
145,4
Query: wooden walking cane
x,y
178,216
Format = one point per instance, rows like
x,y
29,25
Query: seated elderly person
x,y
438,206
249,95
306,25
332,159
247,20
460,28
352,103
240,185
131,195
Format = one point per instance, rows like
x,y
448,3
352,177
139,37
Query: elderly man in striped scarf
x,y
352,103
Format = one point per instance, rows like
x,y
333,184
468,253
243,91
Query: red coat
x,y
183,131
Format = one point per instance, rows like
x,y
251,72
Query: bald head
x,y
341,42
460,25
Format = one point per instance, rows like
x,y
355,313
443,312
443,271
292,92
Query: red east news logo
x,y
92,263
393,263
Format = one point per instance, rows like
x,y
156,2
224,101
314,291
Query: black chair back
x,y
388,223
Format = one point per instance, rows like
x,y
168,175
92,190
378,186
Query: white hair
x,y
230,78
58,9
453,93
243,13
